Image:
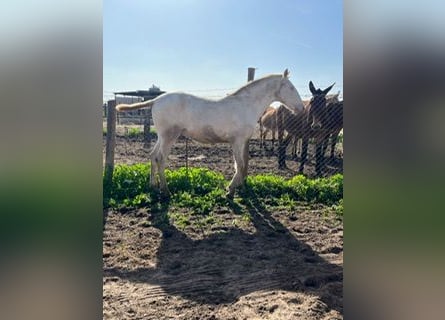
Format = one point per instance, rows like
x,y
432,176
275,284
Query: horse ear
x,y
312,88
325,91
286,73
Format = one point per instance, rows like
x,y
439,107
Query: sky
x,y
205,47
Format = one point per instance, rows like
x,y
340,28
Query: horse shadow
x,y
224,266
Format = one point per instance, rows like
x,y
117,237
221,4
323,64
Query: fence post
x,y
250,74
147,120
110,145
281,146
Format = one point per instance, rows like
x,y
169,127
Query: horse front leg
x,y
294,149
273,140
245,157
319,158
234,182
240,156
304,145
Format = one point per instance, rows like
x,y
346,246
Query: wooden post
x,y
250,77
147,120
281,145
110,145
250,74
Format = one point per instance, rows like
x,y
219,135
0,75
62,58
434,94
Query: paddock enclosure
x,y
218,157
251,259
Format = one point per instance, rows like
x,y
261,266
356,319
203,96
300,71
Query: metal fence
x,y
310,143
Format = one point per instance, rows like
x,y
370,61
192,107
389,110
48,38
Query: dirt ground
x,y
279,264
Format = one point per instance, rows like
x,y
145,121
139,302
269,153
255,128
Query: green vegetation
x,y
137,132
338,208
198,191
134,132
299,188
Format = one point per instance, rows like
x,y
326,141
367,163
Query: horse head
x,y
316,108
288,95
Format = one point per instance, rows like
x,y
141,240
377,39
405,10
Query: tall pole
x,y
250,74
281,144
147,120
110,145
250,77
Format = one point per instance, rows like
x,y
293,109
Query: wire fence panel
x,y
283,143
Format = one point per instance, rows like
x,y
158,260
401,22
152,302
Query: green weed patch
x,y
201,189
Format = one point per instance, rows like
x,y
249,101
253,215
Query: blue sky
x,y
205,47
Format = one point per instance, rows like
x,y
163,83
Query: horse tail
x,y
133,106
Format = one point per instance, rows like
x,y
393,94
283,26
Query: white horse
x,y
231,119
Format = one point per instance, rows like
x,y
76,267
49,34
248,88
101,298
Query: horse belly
x,y
206,135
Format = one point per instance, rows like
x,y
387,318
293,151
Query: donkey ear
x,y
312,88
286,73
325,91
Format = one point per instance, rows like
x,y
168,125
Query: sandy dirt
x,y
280,263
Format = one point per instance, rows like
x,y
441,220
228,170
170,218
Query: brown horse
x,y
268,122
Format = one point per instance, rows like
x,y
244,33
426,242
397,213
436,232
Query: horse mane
x,y
251,83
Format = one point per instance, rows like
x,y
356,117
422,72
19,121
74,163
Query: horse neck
x,y
262,93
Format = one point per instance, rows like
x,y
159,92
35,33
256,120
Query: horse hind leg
x,y
265,132
273,139
166,142
154,157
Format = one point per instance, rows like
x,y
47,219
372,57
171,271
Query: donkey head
x,y
317,106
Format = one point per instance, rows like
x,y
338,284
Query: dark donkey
x,y
310,123
334,124
318,124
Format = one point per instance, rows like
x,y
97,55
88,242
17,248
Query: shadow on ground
x,y
229,264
